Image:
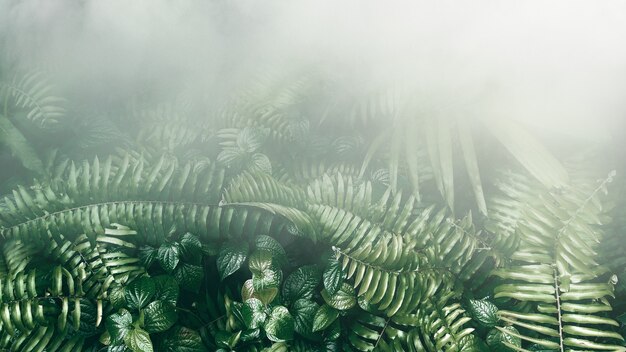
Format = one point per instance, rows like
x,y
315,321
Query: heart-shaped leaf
x,y
303,312
333,276
189,277
159,316
264,273
343,299
166,289
181,339
169,256
267,243
138,340
324,316
232,256
139,292
191,248
301,283
118,325
496,339
483,311
280,325
253,313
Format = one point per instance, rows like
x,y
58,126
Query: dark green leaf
x,y
191,248
343,299
483,311
139,292
280,325
138,340
303,312
227,339
471,343
249,335
324,316
496,339
181,339
333,276
159,316
147,255
267,243
166,289
169,256
189,276
253,313
118,348
264,273
301,283
118,325
117,296
232,256
87,319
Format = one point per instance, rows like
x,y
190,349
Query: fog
x,y
554,65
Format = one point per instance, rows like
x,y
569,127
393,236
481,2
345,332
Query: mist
x,y
554,65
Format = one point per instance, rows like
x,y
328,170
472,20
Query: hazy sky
x,y
553,64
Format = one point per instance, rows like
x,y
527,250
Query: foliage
x,y
266,229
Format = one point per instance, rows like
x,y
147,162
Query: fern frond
x,y
440,326
555,269
34,92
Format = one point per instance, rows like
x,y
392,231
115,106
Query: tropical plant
x,y
271,226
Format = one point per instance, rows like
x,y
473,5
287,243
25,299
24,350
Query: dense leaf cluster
x,y
271,226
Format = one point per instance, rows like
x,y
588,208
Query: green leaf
x,y
250,139
529,152
483,311
118,325
232,256
343,299
147,255
278,347
264,273
253,313
227,339
189,276
266,296
249,335
471,343
261,163
191,248
279,325
231,157
333,276
139,292
304,311
267,243
166,289
168,256
497,339
13,139
471,163
117,297
182,339
301,283
138,340
159,316
118,348
324,316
